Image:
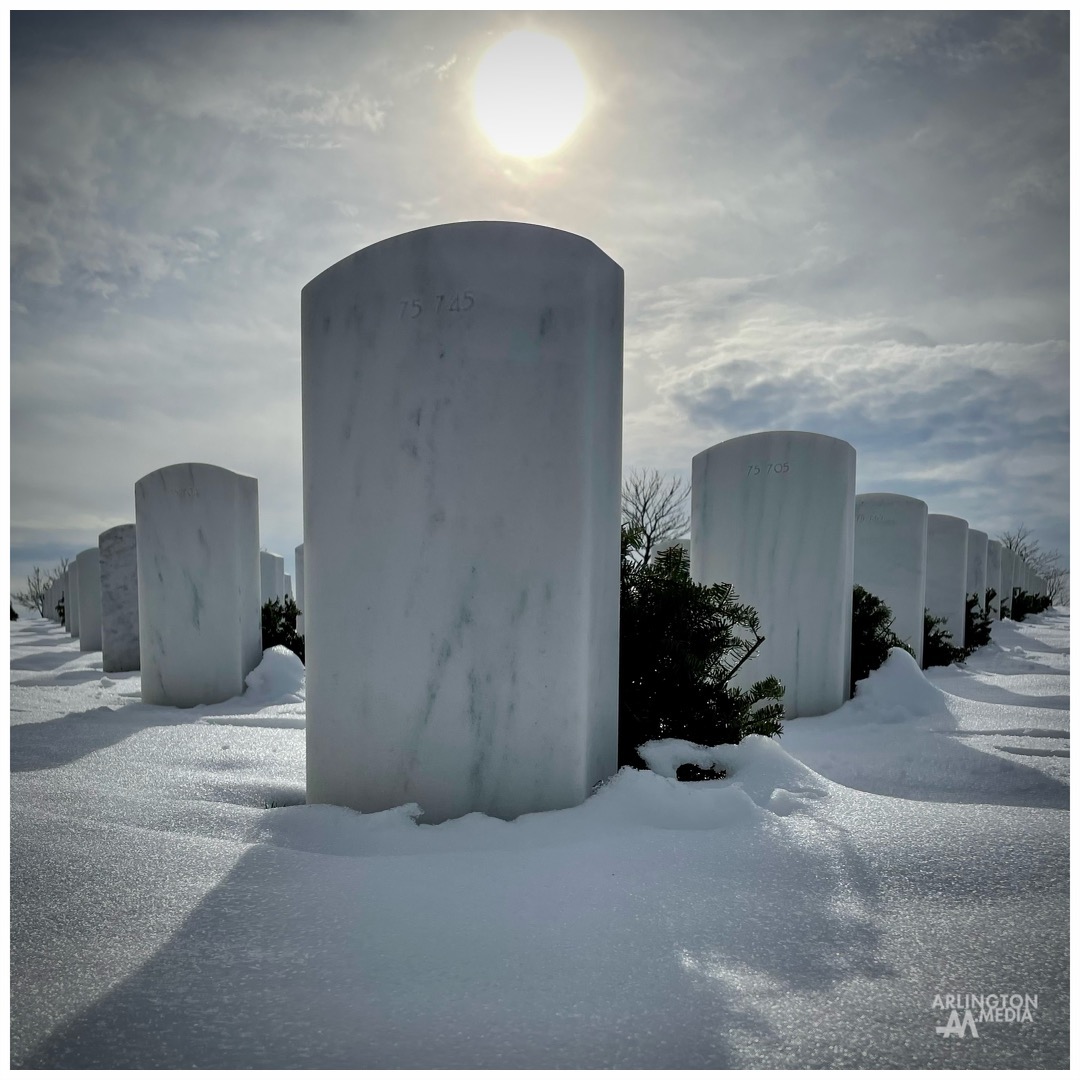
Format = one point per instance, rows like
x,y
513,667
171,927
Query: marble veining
x,y
119,599
993,575
946,571
73,597
976,565
89,600
1007,567
890,559
462,411
773,515
197,553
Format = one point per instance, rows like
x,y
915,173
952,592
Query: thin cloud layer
x,y
853,223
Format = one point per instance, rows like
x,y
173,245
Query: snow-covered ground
x,y
173,904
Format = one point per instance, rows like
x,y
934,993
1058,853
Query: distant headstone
x,y
197,548
272,576
773,514
946,572
993,575
119,599
1006,580
89,600
976,565
288,588
299,557
73,598
462,406
666,545
890,559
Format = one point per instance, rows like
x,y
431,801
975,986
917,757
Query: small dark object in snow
x,y
696,772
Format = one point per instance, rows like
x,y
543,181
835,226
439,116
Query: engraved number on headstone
x,y
774,468
187,493
414,307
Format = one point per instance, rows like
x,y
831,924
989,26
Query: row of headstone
x,y
465,412
177,595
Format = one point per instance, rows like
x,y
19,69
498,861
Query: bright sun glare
x,y
529,93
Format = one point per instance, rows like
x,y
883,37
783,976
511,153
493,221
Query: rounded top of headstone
x,y
804,437
892,498
116,530
186,469
978,532
525,238
88,553
944,519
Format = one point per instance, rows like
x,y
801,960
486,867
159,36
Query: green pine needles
x,y
1025,604
279,626
871,634
938,649
680,645
977,623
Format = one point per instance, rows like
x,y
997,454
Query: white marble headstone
x,y
1006,579
890,559
1018,575
119,599
73,597
993,575
89,600
773,514
197,547
299,563
946,572
462,406
288,588
272,576
976,565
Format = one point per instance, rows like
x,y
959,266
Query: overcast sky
x,y
853,224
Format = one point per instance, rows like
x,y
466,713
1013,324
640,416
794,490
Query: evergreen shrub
x,y
279,626
938,649
871,634
680,645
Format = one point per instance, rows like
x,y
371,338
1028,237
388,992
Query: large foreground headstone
x,y
462,406
299,563
272,576
976,565
197,548
89,600
73,597
890,559
119,599
946,572
773,515
993,575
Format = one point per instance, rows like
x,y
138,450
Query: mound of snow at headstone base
x,y
176,905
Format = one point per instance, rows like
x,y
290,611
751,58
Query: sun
x,y
529,93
